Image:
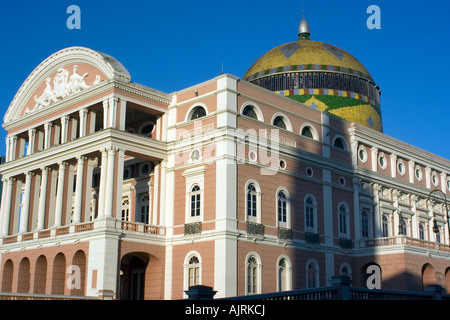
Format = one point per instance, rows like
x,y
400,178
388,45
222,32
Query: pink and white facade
x,y
145,193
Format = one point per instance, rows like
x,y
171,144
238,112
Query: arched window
x,y
403,230
198,112
282,208
252,204
421,231
195,201
345,270
193,272
279,122
253,274
343,221
249,111
365,224
145,206
310,214
284,274
126,210
307,132
312,275
385,226
340,143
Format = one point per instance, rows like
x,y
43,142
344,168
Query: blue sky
x,y
171,45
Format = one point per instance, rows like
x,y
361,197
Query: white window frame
x,y
312,229
287,223
187,266
141,203
317,273
288,274
248,218
258,267
256,108
345,234
194,176
369,222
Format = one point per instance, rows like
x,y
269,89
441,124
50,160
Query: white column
x,y
105,114
13,146
7,206
64,128
374,158
8,148
411,170
25,212
123,112
2,204
109,194
112,112
47,134
103,170
83,120
428,177
42,198
31,140
119,182
79,190
393,165
60,194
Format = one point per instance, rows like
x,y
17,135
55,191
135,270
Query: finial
x,y
303,28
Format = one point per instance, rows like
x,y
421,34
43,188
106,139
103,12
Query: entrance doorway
x,y
132,276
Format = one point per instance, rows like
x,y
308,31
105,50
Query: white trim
x,y
347,220
188,257
344,141
313,131
258,272
191,110
288,272
314,228
286,224
286,121
256,219
257,109
317,269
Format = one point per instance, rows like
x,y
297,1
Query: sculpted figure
x,y
61,84
76,82
46,98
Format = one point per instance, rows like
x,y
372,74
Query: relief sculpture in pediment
x,y
63,86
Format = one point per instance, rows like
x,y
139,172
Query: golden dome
x,y
320,74
306,55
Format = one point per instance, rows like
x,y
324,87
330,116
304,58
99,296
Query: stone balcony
x,y
83,229
404,241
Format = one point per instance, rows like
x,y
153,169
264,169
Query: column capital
x,y
63,164
81,158
45,169
83,111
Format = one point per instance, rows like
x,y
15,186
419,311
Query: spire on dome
x,y
303,28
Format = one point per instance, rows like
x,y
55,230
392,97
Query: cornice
x,y
398,147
